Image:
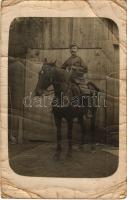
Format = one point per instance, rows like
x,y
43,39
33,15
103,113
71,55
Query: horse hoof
x,y
69,156
81,148
57,156
93,151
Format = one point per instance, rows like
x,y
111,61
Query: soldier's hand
x,y
74,68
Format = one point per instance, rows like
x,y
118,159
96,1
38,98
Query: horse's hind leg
x,y
59,138
81,122
93,118
69,136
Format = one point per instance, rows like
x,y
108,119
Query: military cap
x,y
73,45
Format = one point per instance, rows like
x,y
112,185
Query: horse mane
x,y
60,74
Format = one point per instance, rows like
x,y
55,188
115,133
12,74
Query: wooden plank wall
x,y
37,38
52,33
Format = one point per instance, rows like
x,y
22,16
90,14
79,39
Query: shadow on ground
x,y
36,159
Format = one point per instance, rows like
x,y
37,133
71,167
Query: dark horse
x,y
68,103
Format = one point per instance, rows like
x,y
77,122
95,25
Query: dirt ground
x,y
37,159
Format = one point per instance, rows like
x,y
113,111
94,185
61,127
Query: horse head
x,y
45,78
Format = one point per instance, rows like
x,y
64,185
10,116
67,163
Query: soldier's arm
x,y
65,64
84,66
39,73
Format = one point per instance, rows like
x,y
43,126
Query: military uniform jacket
x,y
77,64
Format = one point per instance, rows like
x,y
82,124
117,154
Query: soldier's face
x,y
74,50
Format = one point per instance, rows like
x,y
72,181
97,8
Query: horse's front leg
x,y
93,120
69,136
82,125
59,138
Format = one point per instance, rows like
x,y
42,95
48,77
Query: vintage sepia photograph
x,y
63,97
63,91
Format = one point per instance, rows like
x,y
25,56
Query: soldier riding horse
x,y
69,102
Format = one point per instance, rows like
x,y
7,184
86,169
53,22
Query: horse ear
x,y
54,62
45,60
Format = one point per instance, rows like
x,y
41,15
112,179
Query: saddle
x,y
83,87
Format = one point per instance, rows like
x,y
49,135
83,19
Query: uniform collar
x,y
74,56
